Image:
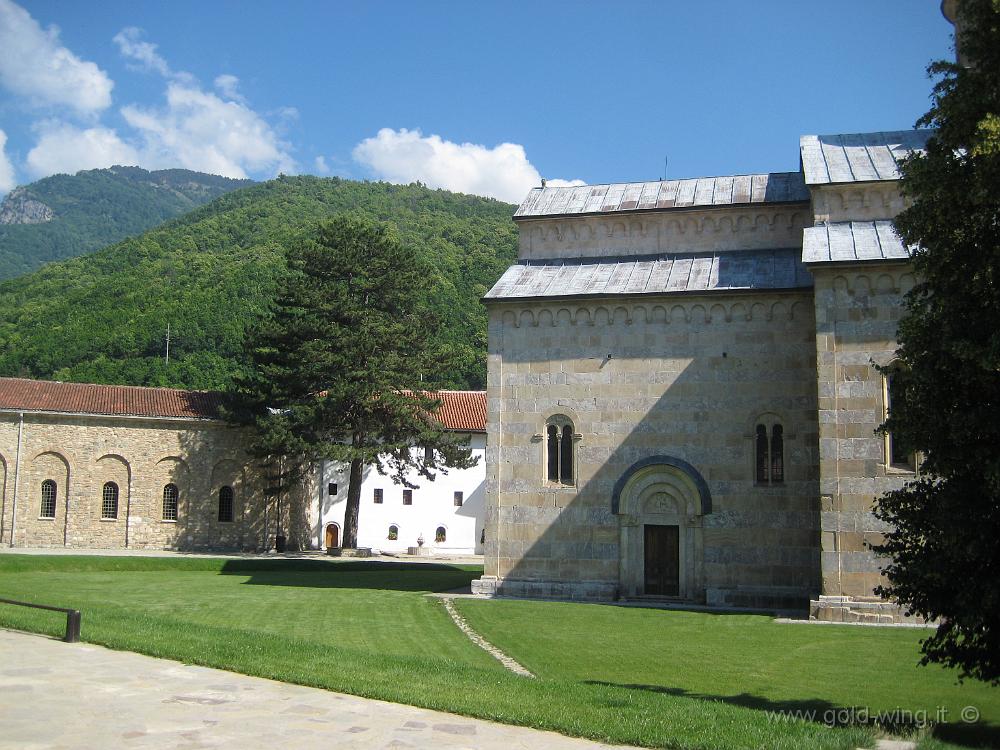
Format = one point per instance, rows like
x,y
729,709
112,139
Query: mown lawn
x,y
660,679
835,674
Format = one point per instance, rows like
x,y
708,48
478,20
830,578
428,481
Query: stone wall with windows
x,y
857,314
687,378
88,456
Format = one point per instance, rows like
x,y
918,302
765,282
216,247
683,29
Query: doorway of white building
x,y
332,535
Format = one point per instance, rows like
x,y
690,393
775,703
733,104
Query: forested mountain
x,y
64,216
103,318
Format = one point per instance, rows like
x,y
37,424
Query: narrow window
x,y
559,463
331,489
459,499
440,534
761,454
777,455
377,496
48,509
170,495
900,454
393,533
428,454
407,497
566,456
552,446
226,503
109,500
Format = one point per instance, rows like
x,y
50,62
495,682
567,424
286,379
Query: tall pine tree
x,y
336,369
944,548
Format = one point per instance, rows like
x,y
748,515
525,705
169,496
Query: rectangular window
x,y
377,496
428,454
332,489
407,497
459,499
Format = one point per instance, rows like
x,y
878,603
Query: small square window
x,y
407,497
459,499
377,496
332,489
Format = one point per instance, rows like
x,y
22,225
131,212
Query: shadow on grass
x,y
898,722
362,574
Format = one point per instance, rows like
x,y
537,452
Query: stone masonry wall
x,y
82,453
857,313
688,377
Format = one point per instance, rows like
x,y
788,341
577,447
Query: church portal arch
x,y
661,502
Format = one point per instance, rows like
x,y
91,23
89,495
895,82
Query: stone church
x,y
682,389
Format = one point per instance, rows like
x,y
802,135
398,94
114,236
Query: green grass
x,y
841,674
660,679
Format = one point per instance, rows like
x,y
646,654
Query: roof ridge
x,y
109,385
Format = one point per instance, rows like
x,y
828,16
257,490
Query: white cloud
x,y
34,65
7,179
64,148
403,155
319,163
228,86
198,130
143,54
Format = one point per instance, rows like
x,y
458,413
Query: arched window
x,y
109,500
393,533
440,534
777,454
900,455
559,454
170,495
226,503
48,509
769,453
761,459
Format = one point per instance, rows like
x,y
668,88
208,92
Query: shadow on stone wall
x,y
759,545
212,459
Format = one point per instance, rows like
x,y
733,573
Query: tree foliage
x,y
337,367
97,207
214,271
945,555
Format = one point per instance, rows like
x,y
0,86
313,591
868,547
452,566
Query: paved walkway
x,y
61,695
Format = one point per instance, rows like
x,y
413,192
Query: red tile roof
x,y
464,411
115,400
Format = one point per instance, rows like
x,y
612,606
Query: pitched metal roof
x,y
19,394
852,241
665,274
779,187
462,411
858,157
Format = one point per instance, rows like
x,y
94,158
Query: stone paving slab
x,y
56,695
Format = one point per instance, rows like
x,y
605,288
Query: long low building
x,y
115,467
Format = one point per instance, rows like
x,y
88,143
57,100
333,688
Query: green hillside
x,y
103,317
64,216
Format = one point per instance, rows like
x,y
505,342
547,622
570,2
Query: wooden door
x,y
661,549
332,536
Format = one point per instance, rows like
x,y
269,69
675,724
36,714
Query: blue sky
x,y
474,96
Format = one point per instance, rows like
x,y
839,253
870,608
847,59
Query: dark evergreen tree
x,y
336,369
945,542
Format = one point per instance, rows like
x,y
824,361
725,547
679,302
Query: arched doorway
x,y
660,503
332,535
